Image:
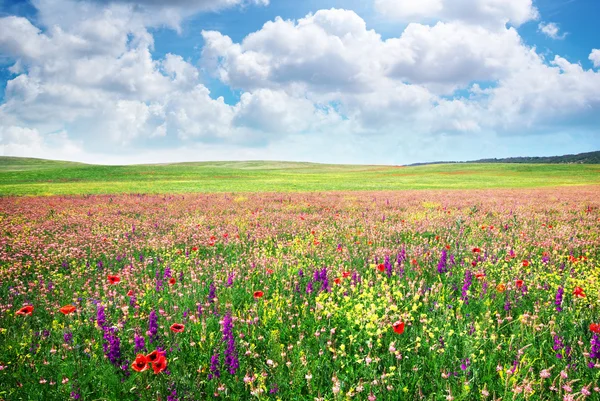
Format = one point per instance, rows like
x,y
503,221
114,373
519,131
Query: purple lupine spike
x,y
152,326
231,358
212,293
230,280
559,298
100,316
140,343
442,266
309,287
466,285
167,273
388,266
214,366
595,350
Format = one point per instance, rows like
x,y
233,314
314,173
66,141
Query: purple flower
x,y
112,346
153,326
230,280
442,266
231,358
68,337
212,292
140,343
100,316
466,284
388,266
595,350
559,299
214,366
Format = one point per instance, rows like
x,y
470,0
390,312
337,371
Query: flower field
x,y
413,295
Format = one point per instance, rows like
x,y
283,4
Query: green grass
x,y
21,176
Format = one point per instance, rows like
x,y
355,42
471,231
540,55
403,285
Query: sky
x,y
330,81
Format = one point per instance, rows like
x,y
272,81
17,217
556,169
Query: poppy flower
x,y
398,327
140,364
130,293
525,263
155,356
177,328
595,328
26,310
270,271
578,292
65,310
195,248
519,283
501,287
172,281
159,365
476,250
337,280
480,276
346,274
258,294
113,279
381,267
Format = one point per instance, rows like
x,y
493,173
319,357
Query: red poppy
x,y
270,271
519,283
113,279
258,294
381,267
140,364
155,356
448,247
476,250
595,328
578,292
159,365
398,327
337,280
480,276
474,263
346,274
177,328
130,293
172,281
194,248
65,310
525,263
26,310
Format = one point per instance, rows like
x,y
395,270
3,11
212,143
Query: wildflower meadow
x,y
411,295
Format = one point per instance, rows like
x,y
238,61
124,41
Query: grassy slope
x,y
42,177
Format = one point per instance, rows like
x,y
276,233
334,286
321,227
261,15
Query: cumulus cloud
x,y
551,30
595,57
491,13
87,82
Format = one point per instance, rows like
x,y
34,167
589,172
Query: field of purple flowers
x,y
413,295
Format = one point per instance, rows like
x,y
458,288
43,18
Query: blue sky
x,y
378,81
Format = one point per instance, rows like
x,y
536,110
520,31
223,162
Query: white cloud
x,y
595,57
491,13
551,30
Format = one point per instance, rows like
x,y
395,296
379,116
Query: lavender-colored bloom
x,y
595,350
230,280
466,285
231,358
100,316
300,273
212,292
167,273
274,389
75,395
100,265
559,298
465,364
140,343
153,326
214,366
68,337
388,266
159,285
173,396
442,266
309,287
355,278
507,306
199,309
112,347
132,301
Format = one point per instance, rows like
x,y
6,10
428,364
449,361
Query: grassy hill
x,y
579,158
20,176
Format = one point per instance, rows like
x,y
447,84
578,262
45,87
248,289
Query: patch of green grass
x,y
19,176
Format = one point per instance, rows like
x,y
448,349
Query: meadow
x,y
415,295
21,176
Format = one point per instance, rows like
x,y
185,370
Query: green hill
x,y
45,177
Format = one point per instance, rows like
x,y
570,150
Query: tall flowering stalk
x,y
153,327
466,285
231,357
214,366
559,298
388,266
442,266
100,316
112,346
595,350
